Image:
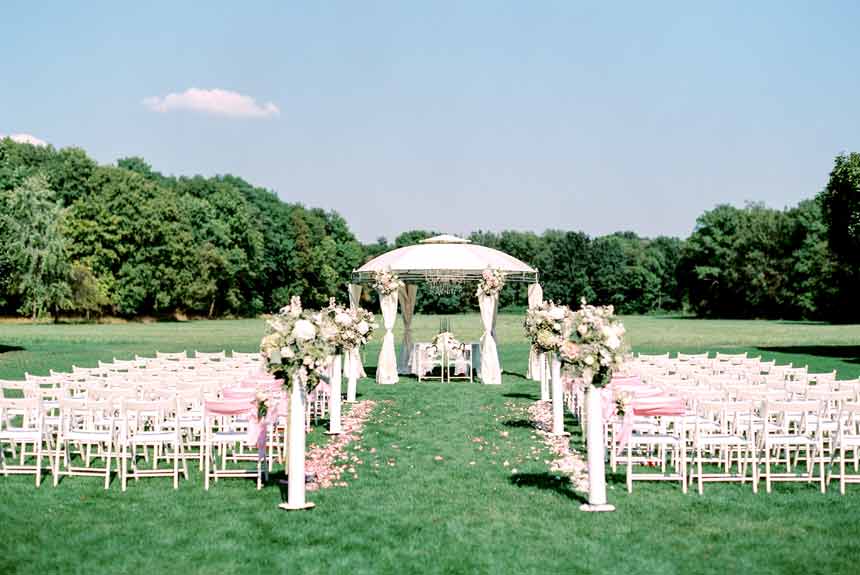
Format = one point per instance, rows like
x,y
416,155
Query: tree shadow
x,y
557,483
519,423
8,348
847,353
518,395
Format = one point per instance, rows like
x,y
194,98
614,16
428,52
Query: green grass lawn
x,y
408,512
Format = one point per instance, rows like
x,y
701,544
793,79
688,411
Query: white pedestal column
x,y
557,396
596,466
334,423
296,483
351,377
544,377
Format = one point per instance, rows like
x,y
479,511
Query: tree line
x,y
82,239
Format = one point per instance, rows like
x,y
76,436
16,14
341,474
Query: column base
x,y
288,507
596,508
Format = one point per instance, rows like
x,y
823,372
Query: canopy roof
x,y
446,257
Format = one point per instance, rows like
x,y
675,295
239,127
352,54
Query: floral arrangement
x,y
491,282
596,347
262,401
297,344
353,327
622,402
547,326
446,337
386,282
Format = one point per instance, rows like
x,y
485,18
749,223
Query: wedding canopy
x,y
439,260
448,256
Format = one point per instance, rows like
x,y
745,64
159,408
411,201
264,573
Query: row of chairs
x,y
146,417
729,417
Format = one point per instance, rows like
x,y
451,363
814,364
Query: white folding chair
x,y
151,424
847,444
89,427
28,433
719,442
226,437
792,426
670,439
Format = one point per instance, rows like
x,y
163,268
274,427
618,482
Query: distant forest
x,y
82,240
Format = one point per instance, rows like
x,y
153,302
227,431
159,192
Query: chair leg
x,y
842,470
699,470
39,464
767,468
629,468
754,465
107,464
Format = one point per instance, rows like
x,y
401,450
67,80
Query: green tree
x,y
35,248
840,202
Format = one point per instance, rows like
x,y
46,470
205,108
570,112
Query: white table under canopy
x,y
437,261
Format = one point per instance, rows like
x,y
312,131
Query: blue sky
x,y
454,116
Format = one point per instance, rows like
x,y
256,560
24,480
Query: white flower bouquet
x,y
386,282
547,326
297,344
491,282
596,347
352,327
446,337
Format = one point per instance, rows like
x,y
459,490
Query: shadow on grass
x,y
518,423
847,353
558,483
8,348
514,374
518,395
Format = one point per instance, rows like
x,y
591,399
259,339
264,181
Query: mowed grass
x,y
409,512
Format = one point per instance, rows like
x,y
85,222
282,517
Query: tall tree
x,y
36,248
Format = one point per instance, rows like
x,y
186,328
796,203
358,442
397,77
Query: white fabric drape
x,y
354,362
386,369
407,296
491,372
535,299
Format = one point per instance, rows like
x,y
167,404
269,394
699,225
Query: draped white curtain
x,y
354,363
407,296
535,299
491,371
386,370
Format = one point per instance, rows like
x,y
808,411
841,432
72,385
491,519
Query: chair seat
x,y
655,439
153,436
229,436
87,436
722,440
789,440
20,435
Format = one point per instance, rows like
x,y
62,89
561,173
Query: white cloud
x,y
25,139
216,102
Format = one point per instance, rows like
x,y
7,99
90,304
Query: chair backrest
x,y
172,356
11,388
149,415
218,355
29,409
87,415
788,413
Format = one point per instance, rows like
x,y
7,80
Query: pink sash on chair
x,y
243,408
649,407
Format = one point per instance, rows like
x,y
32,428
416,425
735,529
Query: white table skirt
x,y
459,366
